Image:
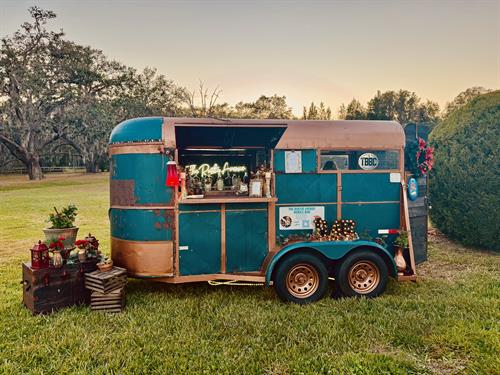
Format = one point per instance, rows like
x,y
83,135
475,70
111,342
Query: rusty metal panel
x,y
139,179
144,258
142,225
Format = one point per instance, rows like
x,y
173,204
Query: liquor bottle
x,y
220,183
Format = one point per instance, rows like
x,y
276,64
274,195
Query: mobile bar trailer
x,y
250,200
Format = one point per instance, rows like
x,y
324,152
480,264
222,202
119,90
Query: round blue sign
x,y
412,188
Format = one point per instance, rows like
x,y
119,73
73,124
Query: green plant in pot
x,y
400,244
63,225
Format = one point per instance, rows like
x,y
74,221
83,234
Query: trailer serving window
x,y
224,160
358,160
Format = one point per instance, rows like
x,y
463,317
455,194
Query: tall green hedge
x,y
465,181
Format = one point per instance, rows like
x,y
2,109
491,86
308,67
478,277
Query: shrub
x,y
465,182
63,219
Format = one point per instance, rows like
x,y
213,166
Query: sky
x,y
330,51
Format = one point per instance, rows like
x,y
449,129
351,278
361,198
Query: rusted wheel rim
x,y
364,276
302,280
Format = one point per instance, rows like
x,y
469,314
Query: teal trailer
x,y
255,201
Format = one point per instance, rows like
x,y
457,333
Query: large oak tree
x,y
32,89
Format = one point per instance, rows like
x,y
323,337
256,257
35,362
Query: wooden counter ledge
x,y
228,200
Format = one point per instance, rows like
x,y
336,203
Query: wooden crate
x,y
50,289
111,302
106,282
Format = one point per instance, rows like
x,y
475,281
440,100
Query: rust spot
x,y
157,225
169,216
122,193
112,167
157,212
172,196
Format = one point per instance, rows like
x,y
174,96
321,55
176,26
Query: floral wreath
x,y
425,157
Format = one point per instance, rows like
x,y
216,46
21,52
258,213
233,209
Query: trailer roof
x,y
344,133
296,134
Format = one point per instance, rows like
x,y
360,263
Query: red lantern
x,y
172,176
40,256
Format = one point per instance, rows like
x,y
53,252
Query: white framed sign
x,y
368,161
255,188
299,217
395,178
293,161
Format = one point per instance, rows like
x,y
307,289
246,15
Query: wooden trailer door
x,y
199,242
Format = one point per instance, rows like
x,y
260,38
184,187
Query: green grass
x,y
446,323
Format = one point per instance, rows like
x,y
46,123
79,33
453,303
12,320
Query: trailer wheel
x,y
362,273
301,278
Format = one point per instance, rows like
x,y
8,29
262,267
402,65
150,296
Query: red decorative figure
x,y
40,256
172,176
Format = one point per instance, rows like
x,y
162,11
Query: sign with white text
x,y
300,218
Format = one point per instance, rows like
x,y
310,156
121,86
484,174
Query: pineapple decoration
x,y
320,227
343,230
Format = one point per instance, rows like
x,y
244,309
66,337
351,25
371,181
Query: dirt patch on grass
x,y
450,261
18,181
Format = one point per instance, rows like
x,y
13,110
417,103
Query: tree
x,y
463,98
265,107
149,94
402,106
207,106
354,111
464,183
90,124
31,89
88,119
317,112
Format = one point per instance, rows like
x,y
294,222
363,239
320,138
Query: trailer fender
x,y
333,250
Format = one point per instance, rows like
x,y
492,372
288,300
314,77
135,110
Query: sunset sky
x,y
327,51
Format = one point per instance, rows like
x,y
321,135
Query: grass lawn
x,y
446,323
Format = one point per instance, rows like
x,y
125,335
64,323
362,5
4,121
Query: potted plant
x,y
63,226
56,246
82,249
400,244
87,248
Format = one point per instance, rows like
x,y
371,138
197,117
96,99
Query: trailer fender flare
x,y
332,250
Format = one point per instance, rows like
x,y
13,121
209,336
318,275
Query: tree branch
x,y
16,150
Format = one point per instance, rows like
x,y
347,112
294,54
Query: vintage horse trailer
x,y
250,195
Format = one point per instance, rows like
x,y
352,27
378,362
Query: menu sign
x,y
293,161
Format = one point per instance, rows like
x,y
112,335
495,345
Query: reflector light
x,y
388,231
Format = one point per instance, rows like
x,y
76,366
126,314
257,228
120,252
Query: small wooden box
x,y
111,302
50,289
106,282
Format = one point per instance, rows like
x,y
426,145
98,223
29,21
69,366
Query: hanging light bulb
x,y
172,176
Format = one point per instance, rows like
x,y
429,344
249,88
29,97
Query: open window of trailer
x,y
226,161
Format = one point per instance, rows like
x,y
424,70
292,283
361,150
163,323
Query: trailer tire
x,y
301,278
362,273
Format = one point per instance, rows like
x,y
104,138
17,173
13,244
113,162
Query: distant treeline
x,y
60,100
